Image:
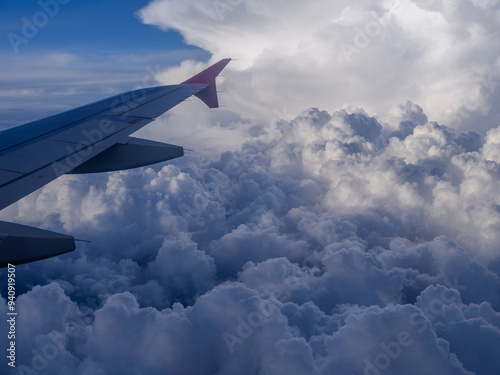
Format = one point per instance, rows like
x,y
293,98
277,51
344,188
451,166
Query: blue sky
x,y
87,50
93,26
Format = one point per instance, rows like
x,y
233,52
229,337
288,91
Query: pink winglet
x,y
207,77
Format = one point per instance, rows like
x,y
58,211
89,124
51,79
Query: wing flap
x,y
133,154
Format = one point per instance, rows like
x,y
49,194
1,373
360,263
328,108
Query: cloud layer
x,y
329,244
345,239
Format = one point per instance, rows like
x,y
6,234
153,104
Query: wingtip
x,y
207,77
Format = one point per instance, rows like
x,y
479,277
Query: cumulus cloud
x,y
372,53
329,243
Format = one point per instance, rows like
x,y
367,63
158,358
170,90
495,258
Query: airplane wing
x,y
88,139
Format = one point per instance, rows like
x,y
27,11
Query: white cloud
x,y
332,222
331,241
437,54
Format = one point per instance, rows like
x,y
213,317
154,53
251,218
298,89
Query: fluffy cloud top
x,y
328,244
442,54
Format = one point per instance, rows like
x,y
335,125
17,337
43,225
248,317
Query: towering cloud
x,y
374,54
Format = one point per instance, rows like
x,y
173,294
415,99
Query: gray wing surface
x,y
88,139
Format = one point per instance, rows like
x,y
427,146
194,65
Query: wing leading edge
x,y
88,139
